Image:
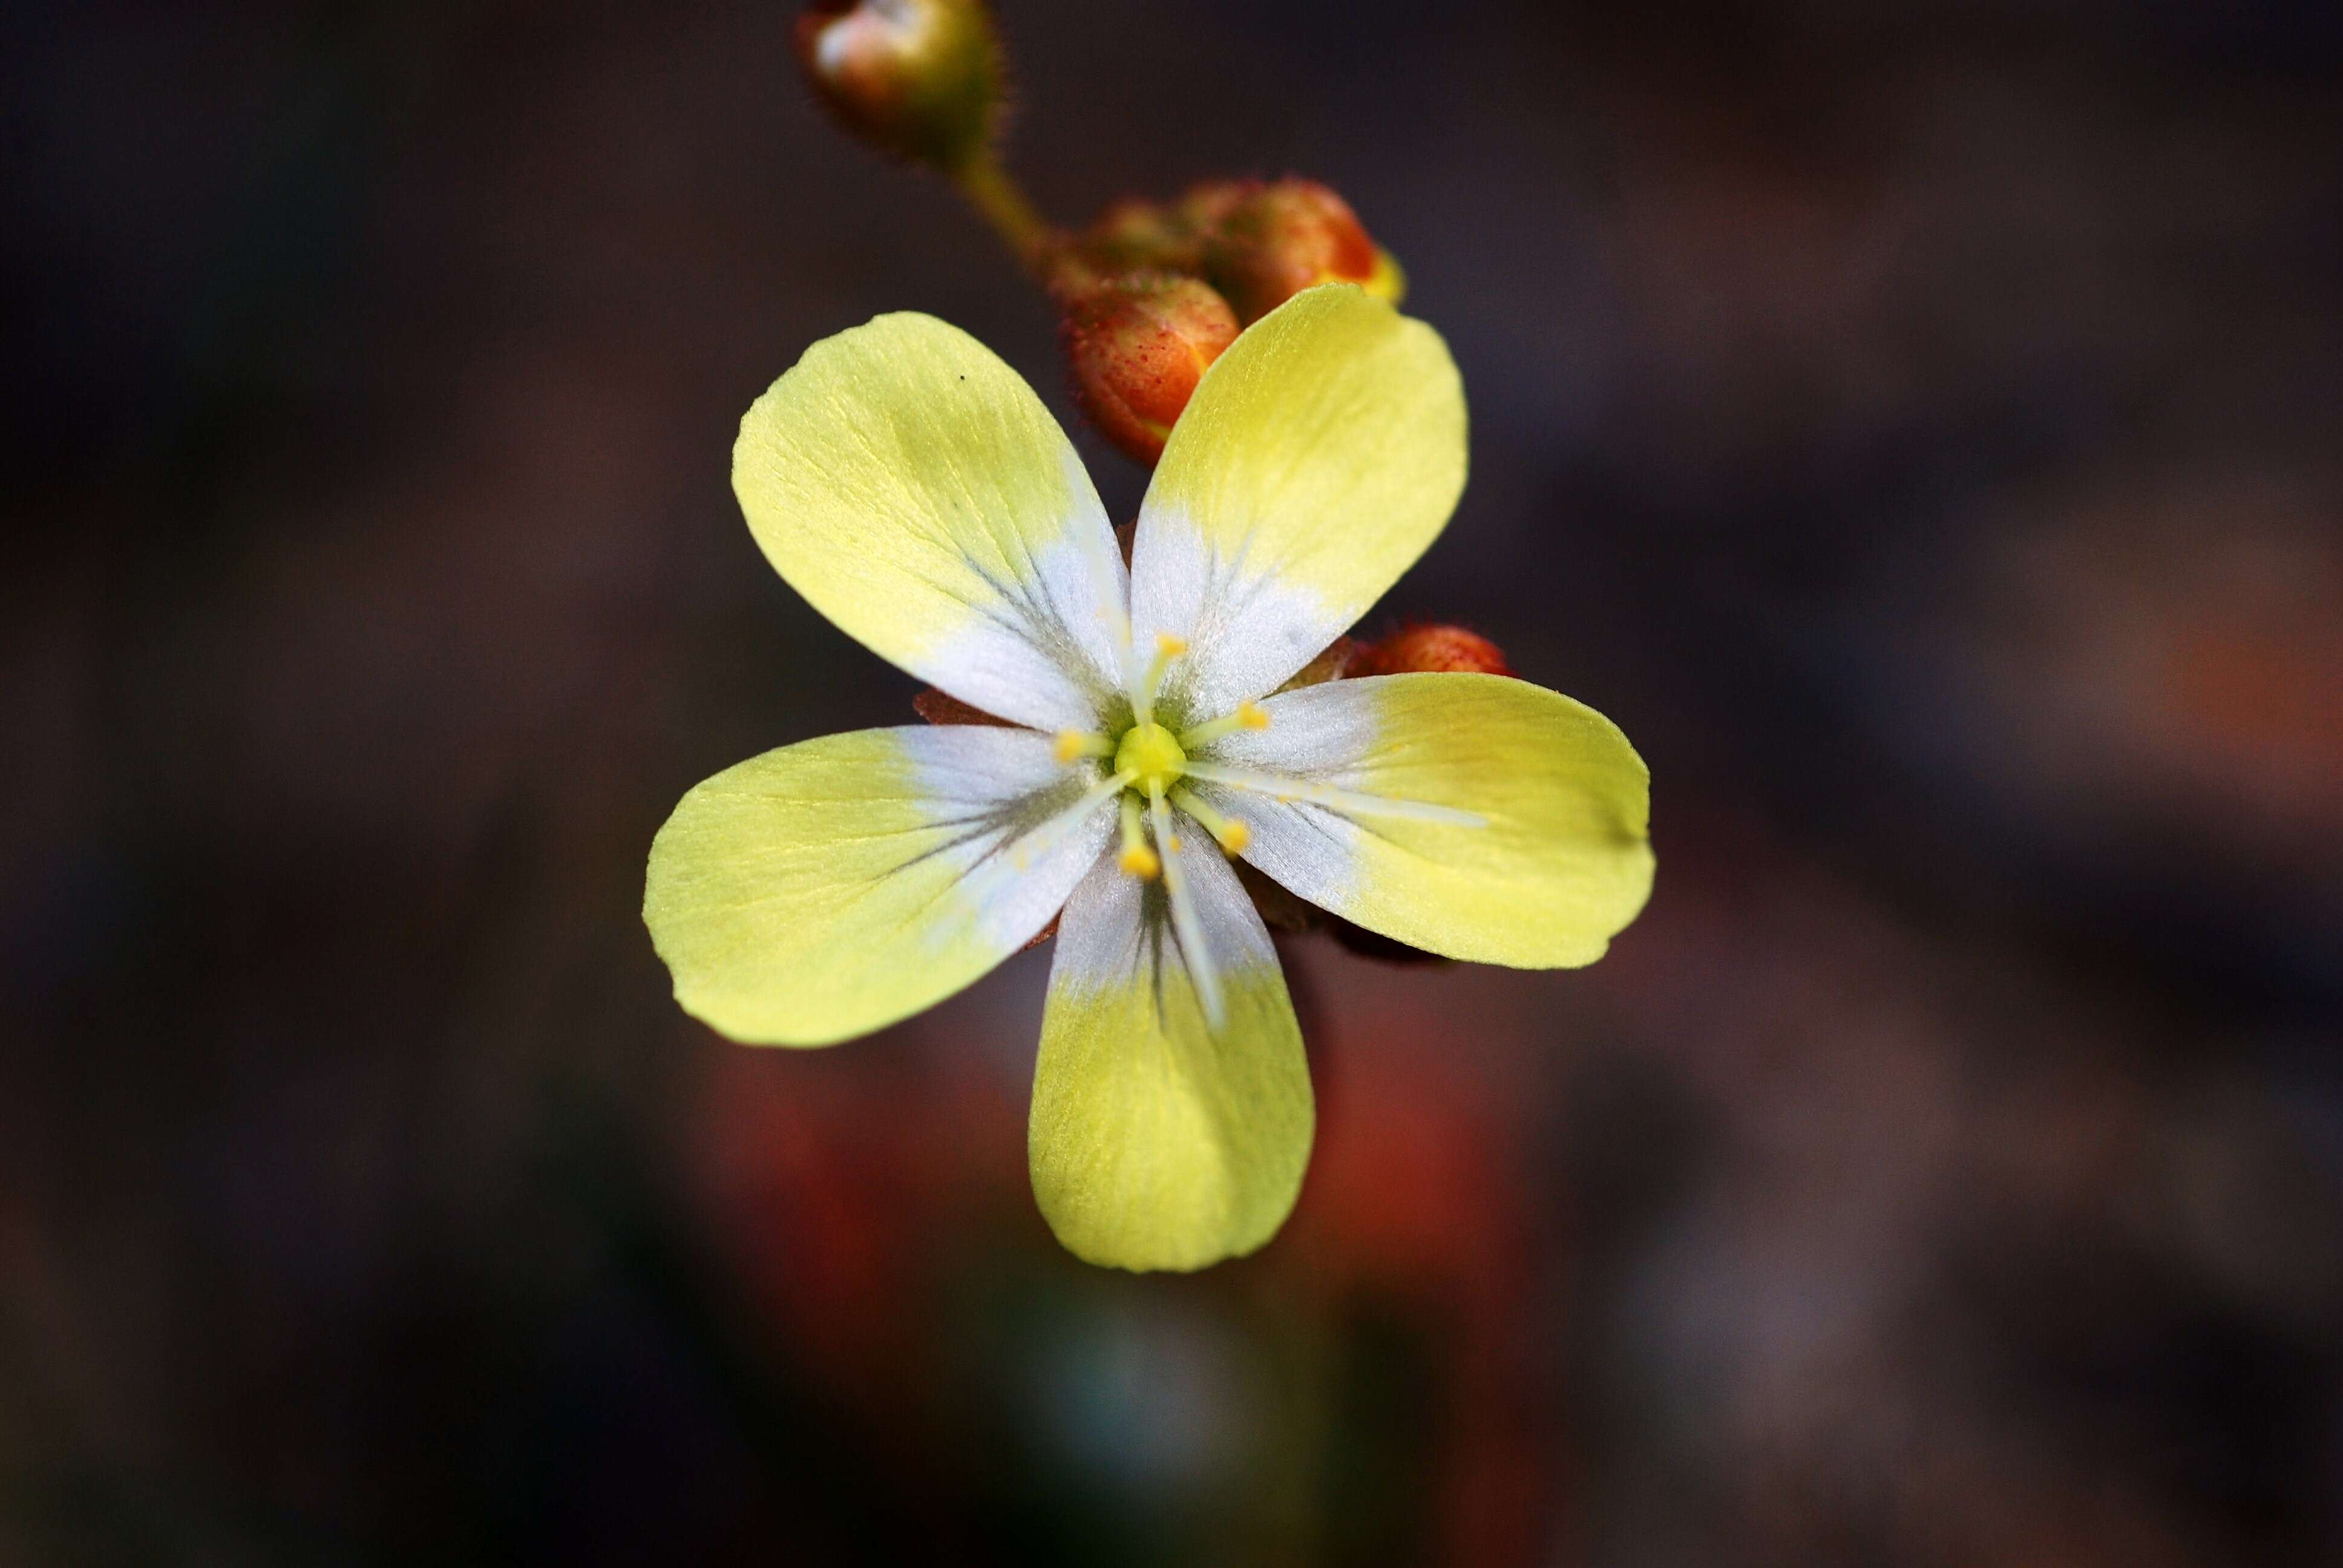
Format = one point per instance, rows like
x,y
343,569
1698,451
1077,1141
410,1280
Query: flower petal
x,y
1320,456
1560,858
1155,1143
831,887
914,489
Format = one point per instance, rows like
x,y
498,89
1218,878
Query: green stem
x,y
1002,203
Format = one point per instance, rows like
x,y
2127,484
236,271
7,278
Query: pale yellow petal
x,y
914,489
831,887
1158,1141
1470,815
1320,456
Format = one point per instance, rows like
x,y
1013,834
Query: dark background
x,y
1917,424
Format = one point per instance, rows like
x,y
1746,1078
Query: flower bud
x,y
943,707
917,78
1267,242
1135,236
1336,660
1448,649
1137,346
1203,205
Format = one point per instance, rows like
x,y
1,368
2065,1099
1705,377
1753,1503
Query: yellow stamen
x,y
1073,745
1137,858
1231,834
1248,715
1142,701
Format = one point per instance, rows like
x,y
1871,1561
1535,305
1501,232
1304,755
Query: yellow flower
x,y
914,489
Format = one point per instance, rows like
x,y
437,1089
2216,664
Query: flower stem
x,y
1002,203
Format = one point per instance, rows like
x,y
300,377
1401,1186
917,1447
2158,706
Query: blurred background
x,y
1921,428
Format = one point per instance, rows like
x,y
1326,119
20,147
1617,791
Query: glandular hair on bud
x,y
1431,647
1136,346
918,78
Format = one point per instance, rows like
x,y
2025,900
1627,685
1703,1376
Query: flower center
x,y
1151,754
1148,762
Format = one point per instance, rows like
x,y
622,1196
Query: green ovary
x,y
1151,754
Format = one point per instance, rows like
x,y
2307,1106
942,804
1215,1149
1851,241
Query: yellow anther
x,y
1231,835
1073,745
1142,697
1137,858
1248,715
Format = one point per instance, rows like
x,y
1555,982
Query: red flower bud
x,y
917,78
1267,242
1431,648
1202,207
942,707
1134,235
1137,346
1338,659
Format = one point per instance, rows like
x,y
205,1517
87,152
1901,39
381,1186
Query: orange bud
x,y
942,707
1204,205
1431,648
917,78
1268,243
1137,346
1134,235
1337,659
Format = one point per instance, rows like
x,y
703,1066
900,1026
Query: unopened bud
x,y
1267,242
918,78
942,707
1337,659
1445,648
1137,346
1135,236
